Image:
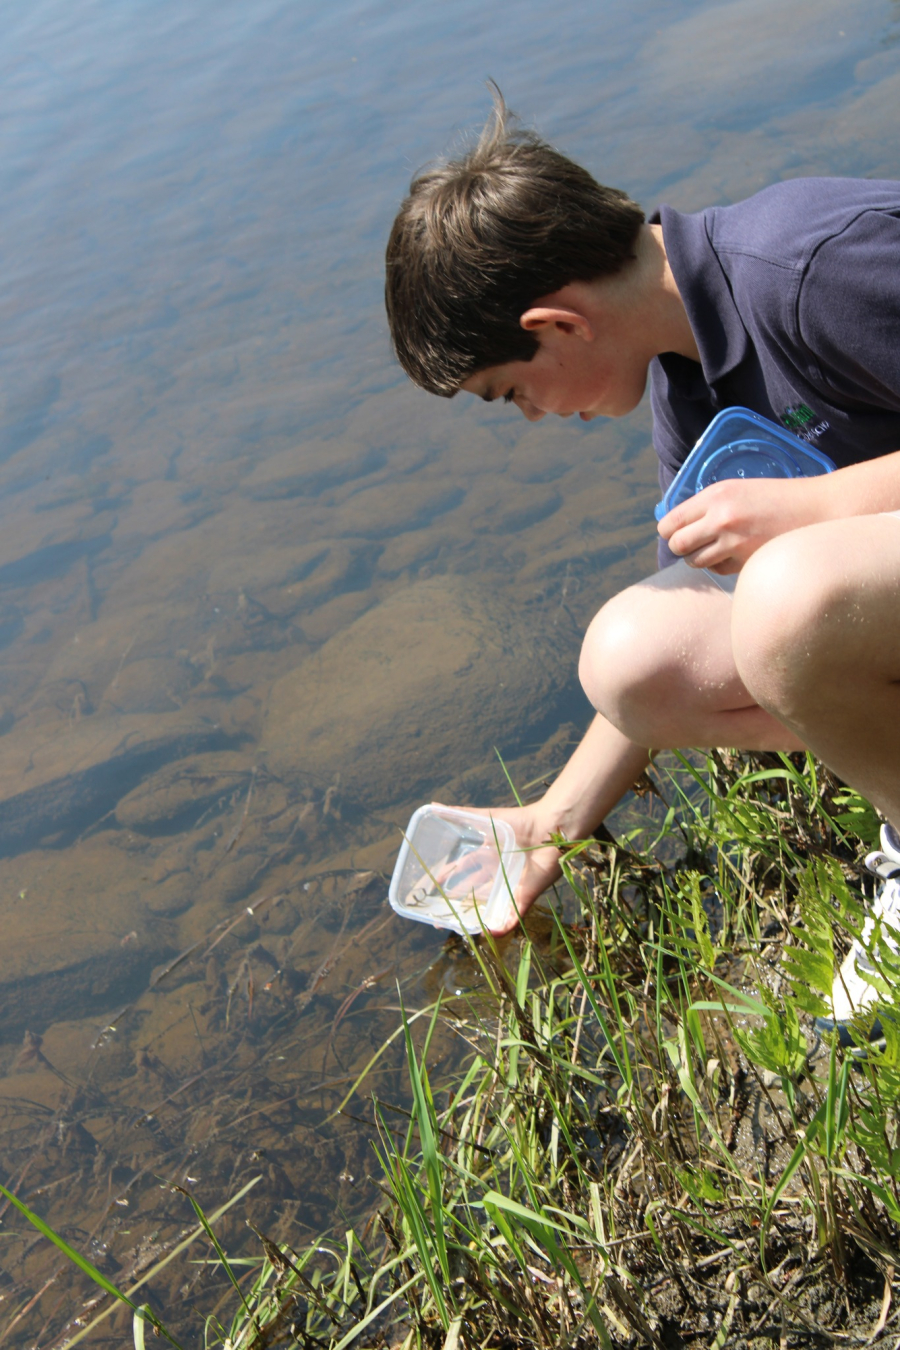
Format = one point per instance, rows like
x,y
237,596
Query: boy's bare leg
x,y
657,661
816,627
658,666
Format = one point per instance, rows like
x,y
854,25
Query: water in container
x,y
456,869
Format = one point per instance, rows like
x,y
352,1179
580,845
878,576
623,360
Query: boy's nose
x,y
529,411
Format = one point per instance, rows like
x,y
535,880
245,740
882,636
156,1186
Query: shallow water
x,y
258,598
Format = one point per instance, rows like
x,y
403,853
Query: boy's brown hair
x,y
480,239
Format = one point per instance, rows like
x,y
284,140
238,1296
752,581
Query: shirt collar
x,y
705,291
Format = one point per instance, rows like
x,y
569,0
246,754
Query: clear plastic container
x,y
739,443
456,869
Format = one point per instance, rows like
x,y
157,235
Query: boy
x,y
512,274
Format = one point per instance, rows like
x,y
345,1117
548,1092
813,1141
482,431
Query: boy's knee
x,y
606,646
617,669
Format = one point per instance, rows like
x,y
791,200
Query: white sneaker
x,y
852,992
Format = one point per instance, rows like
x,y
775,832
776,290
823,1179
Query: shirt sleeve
x,y
848,312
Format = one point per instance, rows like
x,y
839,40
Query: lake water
x,y
258,596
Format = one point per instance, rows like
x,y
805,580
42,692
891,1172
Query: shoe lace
x,y
885,864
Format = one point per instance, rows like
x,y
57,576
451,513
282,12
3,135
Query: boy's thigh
x,y
832,589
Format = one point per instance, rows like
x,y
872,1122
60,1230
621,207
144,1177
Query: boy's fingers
x,y
507,923
691,539
727,502
668,525
705,552
541,871
684,514
699,546
717,558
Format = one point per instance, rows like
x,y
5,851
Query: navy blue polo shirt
x,y
794,300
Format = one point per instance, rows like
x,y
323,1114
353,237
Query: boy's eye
x,y
509,396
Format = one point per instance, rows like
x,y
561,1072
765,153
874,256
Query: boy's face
x,y
580,367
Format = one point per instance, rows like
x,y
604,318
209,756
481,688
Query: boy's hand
x,y
541,863
599,772
541,870
721,526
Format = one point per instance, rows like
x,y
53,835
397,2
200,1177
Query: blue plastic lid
x,y
739,443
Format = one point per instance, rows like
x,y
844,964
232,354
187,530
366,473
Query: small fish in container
x,y
456,869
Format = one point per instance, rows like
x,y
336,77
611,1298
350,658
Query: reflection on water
x,y
257,597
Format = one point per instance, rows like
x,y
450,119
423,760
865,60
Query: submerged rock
x,y
416,689
81,989
72,780
77,938
180,794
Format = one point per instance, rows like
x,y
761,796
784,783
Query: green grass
x,y
643,1143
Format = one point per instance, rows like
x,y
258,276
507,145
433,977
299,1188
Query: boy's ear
x,y
544,318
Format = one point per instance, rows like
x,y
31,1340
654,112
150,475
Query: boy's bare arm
x,y
722,526
601,770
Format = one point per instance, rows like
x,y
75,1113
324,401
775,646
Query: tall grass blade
x,y
164,1261
424,1113
83,1264
223,1259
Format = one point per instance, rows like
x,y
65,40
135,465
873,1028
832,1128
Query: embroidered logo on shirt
x,y
799,420
795,419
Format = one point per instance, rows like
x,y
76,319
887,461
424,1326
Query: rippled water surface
x,y
258,598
